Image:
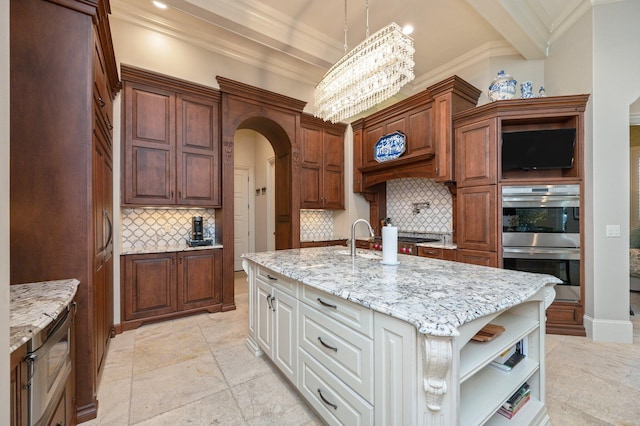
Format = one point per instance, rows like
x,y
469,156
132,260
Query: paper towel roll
x,y
390,245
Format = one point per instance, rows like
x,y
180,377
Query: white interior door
x,y
241,214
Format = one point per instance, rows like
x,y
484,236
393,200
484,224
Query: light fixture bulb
x,y
407,29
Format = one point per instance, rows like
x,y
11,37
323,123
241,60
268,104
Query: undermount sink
x,y
361,253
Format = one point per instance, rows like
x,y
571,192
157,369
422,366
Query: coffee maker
x,y
197,233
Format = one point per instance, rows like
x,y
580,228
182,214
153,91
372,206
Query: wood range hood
x,y
426,120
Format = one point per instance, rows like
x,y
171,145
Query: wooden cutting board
x,y
488,332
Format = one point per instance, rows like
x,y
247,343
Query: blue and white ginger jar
x,y
503,87
526,89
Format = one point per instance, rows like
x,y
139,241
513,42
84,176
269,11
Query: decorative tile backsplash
x,y
316,225
162,227
406,206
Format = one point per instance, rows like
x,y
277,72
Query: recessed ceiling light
x,y
159,4
407,29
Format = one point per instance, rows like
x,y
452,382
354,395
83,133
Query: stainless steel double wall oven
x,y
541,233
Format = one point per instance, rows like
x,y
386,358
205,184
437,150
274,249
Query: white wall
x,y
616,85
598,56
167,55
4,210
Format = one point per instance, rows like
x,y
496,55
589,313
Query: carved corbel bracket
x,y
437,360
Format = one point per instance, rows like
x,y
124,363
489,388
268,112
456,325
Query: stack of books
x,y
509,358
516,401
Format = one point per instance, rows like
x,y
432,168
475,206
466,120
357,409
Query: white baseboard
x,y
613,331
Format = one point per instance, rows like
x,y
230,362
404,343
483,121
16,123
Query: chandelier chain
x,y
366,34
345,27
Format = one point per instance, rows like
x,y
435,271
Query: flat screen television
x,y
538,149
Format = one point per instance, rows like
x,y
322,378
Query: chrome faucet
x,y
353,234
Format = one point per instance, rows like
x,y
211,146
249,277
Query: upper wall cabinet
x,y
171,152
322,153
426,121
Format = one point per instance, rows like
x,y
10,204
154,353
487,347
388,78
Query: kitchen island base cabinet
x,y
359,366
160,286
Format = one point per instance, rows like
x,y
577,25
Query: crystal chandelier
x,y
371,73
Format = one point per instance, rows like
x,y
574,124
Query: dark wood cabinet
x,y
437,253
480,179
477,218
64,80
322,154
171,153
426,119
476,154
328,243
149,284
159,286
475,257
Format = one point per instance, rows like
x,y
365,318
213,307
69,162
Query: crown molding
x,y
456,66
234,47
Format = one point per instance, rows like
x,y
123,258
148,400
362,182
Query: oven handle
x,y
540,202
60,329
541,253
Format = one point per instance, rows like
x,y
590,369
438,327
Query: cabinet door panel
x,y
420,132
477,218
149,145
476,158
311,186
264,317
333,181
201,280
311,147
333,189
443,137
149,285
198,145
285,354
371,137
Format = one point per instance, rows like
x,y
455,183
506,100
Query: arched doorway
x,y
277,117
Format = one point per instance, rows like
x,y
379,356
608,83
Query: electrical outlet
x,y
613,231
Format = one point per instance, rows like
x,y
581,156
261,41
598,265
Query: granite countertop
x,y
439,244
33,306
166,249
437,296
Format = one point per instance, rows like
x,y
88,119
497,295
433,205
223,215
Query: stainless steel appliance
x,y
541,233
49,365
406,245
196,237
197,229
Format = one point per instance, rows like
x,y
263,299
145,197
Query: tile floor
x,y
197,371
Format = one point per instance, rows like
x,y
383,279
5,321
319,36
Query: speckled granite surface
x,y
33,306
166,249
435,295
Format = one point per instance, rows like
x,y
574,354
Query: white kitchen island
x,y
366,343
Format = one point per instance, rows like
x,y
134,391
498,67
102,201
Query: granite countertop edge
x,y
437,296
33,306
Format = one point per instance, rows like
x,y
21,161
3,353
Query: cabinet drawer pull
x,y
101,102
273,308
328,305
335,407
272,278
333,348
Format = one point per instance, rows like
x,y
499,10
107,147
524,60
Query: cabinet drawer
x,y
333,400
435,253
354,316
285,284
344,352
